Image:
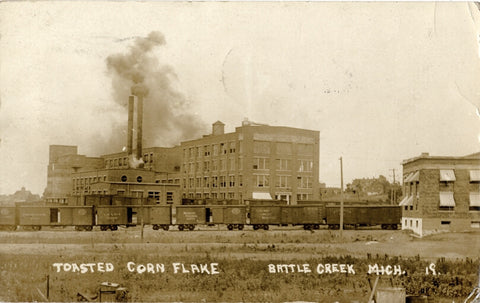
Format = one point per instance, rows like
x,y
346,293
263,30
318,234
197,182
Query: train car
x,y
234,216
110,217
310,216
158,216
190,216
37,216
386,216
8,220
263,216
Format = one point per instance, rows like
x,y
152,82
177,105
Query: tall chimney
x,y
130,125
139,125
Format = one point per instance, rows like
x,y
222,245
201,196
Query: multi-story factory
x,y
441,193
256,161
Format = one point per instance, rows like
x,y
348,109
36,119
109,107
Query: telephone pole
x,y
393,189
341,199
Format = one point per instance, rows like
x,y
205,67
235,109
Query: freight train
x,y
188,217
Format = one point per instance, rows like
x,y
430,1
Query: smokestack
x,y
139,125
130,126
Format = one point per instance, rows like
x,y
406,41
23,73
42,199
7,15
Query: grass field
x,y
243,259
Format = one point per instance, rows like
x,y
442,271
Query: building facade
x,y
441,194
255,161
137,183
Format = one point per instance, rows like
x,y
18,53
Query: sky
x,y
381,81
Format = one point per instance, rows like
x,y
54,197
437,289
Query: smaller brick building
x,y
441,194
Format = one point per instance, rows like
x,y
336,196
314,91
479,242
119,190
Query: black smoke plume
x,y
166,117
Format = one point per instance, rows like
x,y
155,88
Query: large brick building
x,y
255,161
441,194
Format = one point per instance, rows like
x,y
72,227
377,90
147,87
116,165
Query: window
x,y
232,147
304,182
199,182
445,222
240,180
151,157
261,163
214,181
447,175
214,165
305,149
231,180
124,178
240,163
284,148
232,164
282,164
223,165
447,201
206,166
215,150
305,165
282,181
137,193
154,195
206,182
261,180
261,147
474,201
222,181
191,182
206,150
169,197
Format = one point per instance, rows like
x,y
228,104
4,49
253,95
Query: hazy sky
x,y
382,82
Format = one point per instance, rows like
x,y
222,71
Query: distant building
x,y
441,193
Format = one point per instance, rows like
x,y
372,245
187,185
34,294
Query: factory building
x,y
441,194
64,160
256,161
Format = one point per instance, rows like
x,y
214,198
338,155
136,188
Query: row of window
x,y
446,201
82,181
259,163
157,196
207,150
259,147
215,181
122,162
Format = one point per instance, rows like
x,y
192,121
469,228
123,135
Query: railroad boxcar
x,y
8,218
310,216
189,216
263,216
110,217
234,216
158,216
386,216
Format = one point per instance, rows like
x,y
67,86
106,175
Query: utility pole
x,y
341,199
393,189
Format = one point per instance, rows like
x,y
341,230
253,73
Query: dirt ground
x,y
243,259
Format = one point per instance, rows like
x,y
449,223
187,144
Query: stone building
x,y
441,194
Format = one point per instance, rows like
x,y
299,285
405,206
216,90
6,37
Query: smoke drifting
x,y
166,117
